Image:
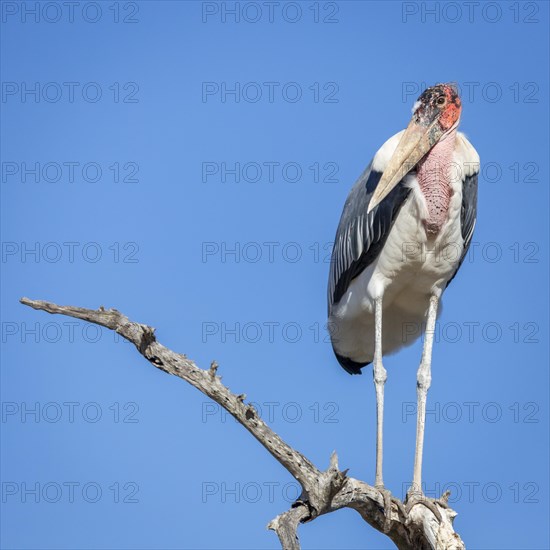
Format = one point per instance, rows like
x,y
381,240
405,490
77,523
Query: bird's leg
x,y
380,376
423,381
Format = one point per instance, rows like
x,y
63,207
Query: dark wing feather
x,y
361,236
468,216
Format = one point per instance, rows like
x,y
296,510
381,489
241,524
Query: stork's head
x,y
436,114
439,104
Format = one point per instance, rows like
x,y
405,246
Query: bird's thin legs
x,y
423,381
380,377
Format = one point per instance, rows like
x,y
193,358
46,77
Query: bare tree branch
x,y
286,526
413,526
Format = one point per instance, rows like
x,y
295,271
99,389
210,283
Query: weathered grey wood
x,y
322,491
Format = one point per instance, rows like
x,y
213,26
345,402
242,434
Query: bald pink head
x,y
440,102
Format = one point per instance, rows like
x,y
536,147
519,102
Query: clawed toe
x,y
414,498
388,500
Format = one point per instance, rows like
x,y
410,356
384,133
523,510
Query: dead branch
x,y
322,491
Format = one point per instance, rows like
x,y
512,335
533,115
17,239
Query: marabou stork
x,y
405,229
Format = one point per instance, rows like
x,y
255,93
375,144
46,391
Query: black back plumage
x,y
359,240
468,216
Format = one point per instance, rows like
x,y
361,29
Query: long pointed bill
x,y
415,142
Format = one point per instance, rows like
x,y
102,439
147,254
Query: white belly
x,y
412,266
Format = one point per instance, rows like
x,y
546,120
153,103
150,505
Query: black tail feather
x,y
350,366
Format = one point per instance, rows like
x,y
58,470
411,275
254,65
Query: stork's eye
x,y
440,100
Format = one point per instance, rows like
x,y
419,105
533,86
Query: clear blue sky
x,y
135,132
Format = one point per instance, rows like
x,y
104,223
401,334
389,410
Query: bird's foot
x,y
415,497
389,499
